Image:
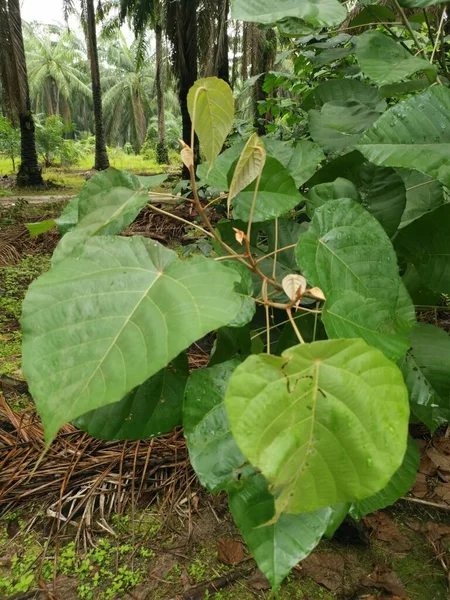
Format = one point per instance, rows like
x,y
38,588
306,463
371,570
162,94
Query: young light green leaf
x,y
399,485
414,134
111,315
337,126
426,243
211,107
277,194
386,61
276,547
346,250
325,423
214,455
248,168
426,370
151,409
321,13
40,227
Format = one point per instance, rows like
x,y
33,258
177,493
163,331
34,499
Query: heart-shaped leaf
x,y
325,423
111,315
347,252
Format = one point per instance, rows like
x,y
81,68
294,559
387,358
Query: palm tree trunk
x,y
182,17
101,156
162,156
223,69
15,82
234,72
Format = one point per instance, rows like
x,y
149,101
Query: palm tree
x,y
182,31
55,71
129,83
144,14
13,75
88,20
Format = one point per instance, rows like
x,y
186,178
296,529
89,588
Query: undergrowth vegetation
x,y
322,234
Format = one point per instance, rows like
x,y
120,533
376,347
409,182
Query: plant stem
x,y
274,270
294,325
178,218
407,24
438,35
275,252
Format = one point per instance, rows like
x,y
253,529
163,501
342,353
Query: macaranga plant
x,y
318,363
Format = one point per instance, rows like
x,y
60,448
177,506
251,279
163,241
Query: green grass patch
x,y
14,282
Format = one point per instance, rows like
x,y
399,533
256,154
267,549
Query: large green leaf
x,y
69,216
384,195
337,126
277,194
217,176
414,134
347,166
213,453
343,90
325,423
211,108
333,190
423,195
426,243
108,203
331,55
322,13
111,315
300,159
349,314
151,409
426,371
279,546
386,61
347,250
400,484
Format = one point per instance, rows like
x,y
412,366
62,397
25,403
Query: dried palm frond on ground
x,y
82,481
15,242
